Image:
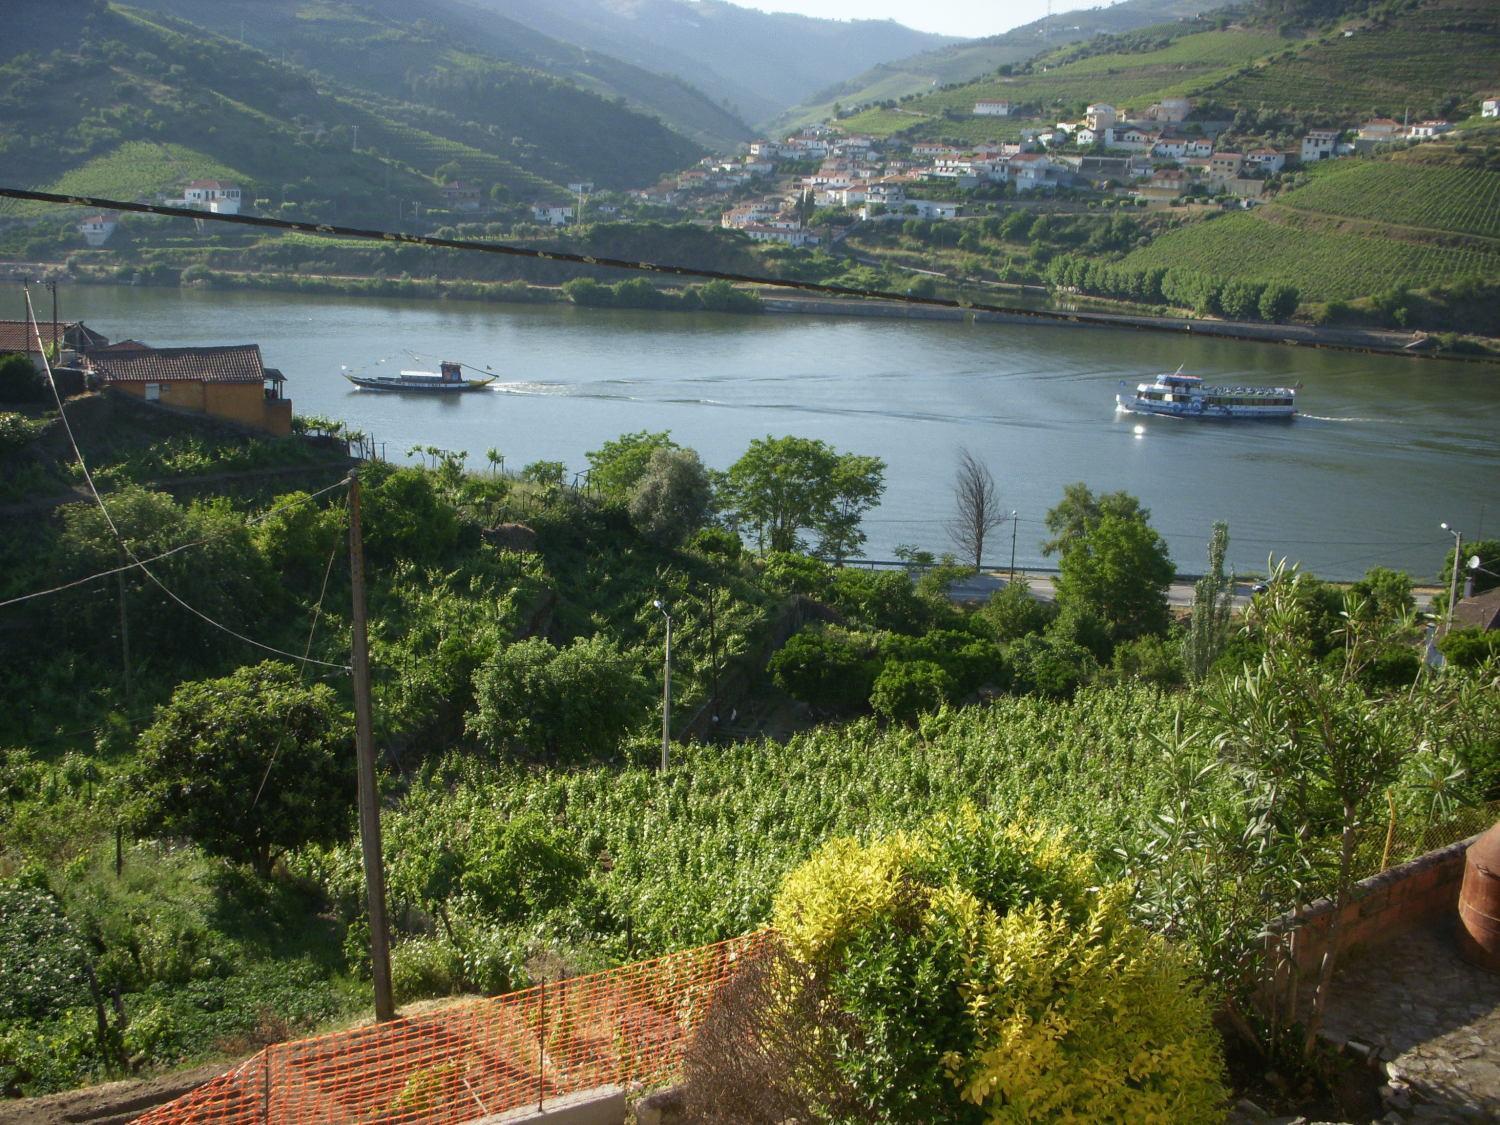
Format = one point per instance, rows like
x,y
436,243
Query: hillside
x,y
143,102
757,63
964,62
372,44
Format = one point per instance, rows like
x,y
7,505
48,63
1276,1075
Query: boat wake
x,y
1326,418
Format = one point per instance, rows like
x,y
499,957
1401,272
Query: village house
x,y
461,195
64,341
1101,116
1131,138
932,150
1319,144
552,214
749,214
930,209
1085,137
764,233
1030,172
582,187
1224,166
1425,130
1170,109
889,191
212,195
96,229
226,382
1490,107
988,108
1379,129
1266,160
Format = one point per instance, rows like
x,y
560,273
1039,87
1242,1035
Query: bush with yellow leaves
x,y
973,971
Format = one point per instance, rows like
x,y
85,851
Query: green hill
x,y
135,103
964,62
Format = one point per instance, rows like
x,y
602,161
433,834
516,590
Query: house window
x,y
153,392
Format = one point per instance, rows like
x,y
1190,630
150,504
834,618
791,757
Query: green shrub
x,y
1012,613
1051,666
973,971
823,670
905,689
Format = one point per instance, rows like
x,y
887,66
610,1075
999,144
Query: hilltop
x,y
137,102
758,63
965,62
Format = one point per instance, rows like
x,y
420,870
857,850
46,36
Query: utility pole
x,y
1458,552
666,691
369,796
56,346
125,639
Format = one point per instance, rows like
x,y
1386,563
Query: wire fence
x,y
621,1027
1398,841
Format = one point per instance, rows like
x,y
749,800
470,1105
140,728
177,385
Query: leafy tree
x,y
823,670
1113,562
617,466
1051,666
1384,594
548,474
906,689
1012,613
1213,600
879,599
20,382
784,486
567,704
403,516
978,510
674,497
1152,658
248,766
44,963
1079,512
1469,648
1278,301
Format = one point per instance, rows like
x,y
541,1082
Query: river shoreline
x,y
777,301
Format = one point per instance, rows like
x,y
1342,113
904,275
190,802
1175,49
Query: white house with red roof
x,y
1319,144
1490,107
987,107
1266,160
96,229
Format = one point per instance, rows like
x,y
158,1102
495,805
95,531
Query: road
x,y
978,588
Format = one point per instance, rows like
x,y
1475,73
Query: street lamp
x,y
1012,544
666,690
1458,552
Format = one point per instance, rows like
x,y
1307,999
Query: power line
x,y
508,250
88,478
167,554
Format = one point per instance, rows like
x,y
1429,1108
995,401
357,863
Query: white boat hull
x,y
1129,404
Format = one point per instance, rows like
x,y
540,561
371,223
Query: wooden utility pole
x,y
369,796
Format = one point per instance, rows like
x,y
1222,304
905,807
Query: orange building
x,y
226,382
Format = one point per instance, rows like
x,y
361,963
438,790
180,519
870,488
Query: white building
x,y
1101,116
96,229
213,195
1266,160
553,214
1029,172
1490,107
988,108
759,233
1319,144
1425,130
930,209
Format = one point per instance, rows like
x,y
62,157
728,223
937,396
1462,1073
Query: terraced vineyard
x,y
1323,265
1414,61
1464,200
132,170
1182,67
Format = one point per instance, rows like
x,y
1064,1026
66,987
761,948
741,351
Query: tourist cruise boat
x,y
448,379
1188,396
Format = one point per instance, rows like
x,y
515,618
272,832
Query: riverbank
x,y
1381,341
772,299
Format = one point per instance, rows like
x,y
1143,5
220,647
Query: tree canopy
x,y
1113,562
783,487
247,766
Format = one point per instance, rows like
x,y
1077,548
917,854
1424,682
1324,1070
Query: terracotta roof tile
x,y
233,363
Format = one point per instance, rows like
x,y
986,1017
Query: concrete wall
x,y
245,403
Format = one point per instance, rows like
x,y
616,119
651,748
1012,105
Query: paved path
x,y
1433,1018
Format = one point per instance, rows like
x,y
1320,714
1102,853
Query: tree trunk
x,y
1347,841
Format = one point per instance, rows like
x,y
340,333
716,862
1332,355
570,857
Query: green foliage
x,y
1462,200
1051,666
974,971
548,474
617,466
16,431
1153,658
43,960
784,486
20,381
1213,601
824,669
881,599
907,689
1012,613
570,704
673,498
246,766
1469,648
403,516
1113,563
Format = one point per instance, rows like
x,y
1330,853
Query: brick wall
x,y
1379,908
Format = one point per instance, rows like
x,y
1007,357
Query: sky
x,y
968,18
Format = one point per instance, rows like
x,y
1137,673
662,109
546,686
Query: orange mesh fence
x,y
474,1059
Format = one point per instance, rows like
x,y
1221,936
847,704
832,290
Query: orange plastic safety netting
x,y
474,1059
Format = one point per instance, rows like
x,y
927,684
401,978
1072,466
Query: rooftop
x,y
231,363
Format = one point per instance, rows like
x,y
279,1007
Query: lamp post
x,y
666,690
1458,550
1012,544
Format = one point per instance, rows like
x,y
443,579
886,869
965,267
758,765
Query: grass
x,y
132,170
1461,200
1324,265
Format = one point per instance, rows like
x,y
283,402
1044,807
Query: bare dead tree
x,y
977,503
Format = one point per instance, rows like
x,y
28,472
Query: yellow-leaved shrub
x,y
976,971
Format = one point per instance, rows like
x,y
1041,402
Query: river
x,y
1385,447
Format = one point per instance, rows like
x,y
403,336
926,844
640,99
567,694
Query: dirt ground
x,y
113,1103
